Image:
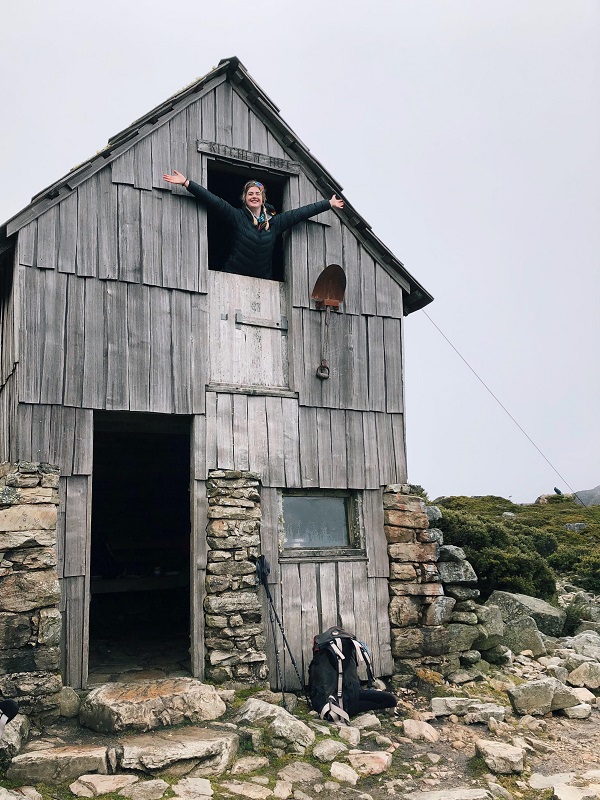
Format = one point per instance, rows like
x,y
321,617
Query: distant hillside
x,y
523,548
589,497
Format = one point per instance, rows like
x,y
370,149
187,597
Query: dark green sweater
x,y
251,249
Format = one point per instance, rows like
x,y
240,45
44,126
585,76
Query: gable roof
x,y
233,70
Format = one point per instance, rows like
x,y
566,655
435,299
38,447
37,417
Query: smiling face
x,y
254,198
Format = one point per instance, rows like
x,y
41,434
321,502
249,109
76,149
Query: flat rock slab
x,y
191,788
501,758
57,765
94,785
450,794
116,707
206,752
371,763
246,789
145,790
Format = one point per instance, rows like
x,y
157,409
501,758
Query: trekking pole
x,y
262,572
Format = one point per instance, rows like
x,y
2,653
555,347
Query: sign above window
x,y
248,156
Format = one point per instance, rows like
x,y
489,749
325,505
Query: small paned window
x,y
320,522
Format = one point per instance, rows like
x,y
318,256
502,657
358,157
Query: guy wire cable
x,y
503,407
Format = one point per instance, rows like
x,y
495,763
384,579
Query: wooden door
x,y
248,332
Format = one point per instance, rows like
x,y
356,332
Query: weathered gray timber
x,y
108,307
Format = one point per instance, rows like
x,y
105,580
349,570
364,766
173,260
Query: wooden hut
x,y
138,367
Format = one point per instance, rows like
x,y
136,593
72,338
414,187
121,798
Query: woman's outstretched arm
x,y
287,219
203,195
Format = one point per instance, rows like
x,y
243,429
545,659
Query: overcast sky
x,y
465,131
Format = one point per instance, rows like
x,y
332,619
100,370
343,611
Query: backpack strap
x,y
363,656
335,711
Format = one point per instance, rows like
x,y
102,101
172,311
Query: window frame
x,y
355,551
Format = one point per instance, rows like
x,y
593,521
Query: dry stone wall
x,y
235,637
30,621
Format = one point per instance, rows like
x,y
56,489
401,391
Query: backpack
x,y
333,682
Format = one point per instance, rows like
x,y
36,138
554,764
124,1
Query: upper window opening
x,y
227,181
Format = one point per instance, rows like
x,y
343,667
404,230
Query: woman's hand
x,y
336,202
177,178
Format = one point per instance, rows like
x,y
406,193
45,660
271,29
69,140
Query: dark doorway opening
x,y
227,181
140,545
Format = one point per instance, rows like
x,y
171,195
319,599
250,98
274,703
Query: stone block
x,y
405,519
438,611
11,540
501,758
417,589
460,637
24,591
394,534
414,642
417,552
402,571
461,592
209,752
454,572
429,572
40,494
522,634
402,502
32,558
28,518
232,603
15,631
232,568
431,535
449,552
490,628
226,512
404,611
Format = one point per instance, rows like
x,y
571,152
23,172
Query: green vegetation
x,y
524,548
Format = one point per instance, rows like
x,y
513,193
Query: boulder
x,y
372,763
549,620
207,752
538,697
419,730
460,637
300,772
449,552
580,711
145,790
58,764
438,611
249,764
116,707
344,773
13,738
522,634
499,654
501,758
587,674
278,722
193,788
328,750
94,785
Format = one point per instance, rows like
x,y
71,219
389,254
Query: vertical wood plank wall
x,y
114,308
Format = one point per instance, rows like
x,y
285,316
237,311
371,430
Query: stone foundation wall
x,y
235,636
30,621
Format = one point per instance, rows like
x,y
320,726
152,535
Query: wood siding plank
x,y
211,431
108,246
139,338
94,363
181,330
370,451
368,298
47,251
122,169
240,432
151,219
376,364
398,433
375,541
258,135
88,201
76,526
161,394
129,234
32,324
324,449
54,304
339,476
142,164
198,440
291,442
385,448
309,616
392,337
190,242
345,600
160,145
351,265
240,133
83,442
275,436
292,621
225,431
171,241
76,324
258,447
224,114
27,245
116,346
309,460
74,614
67,235
207,105
328,595
378,589
355,450
362,629
199,352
